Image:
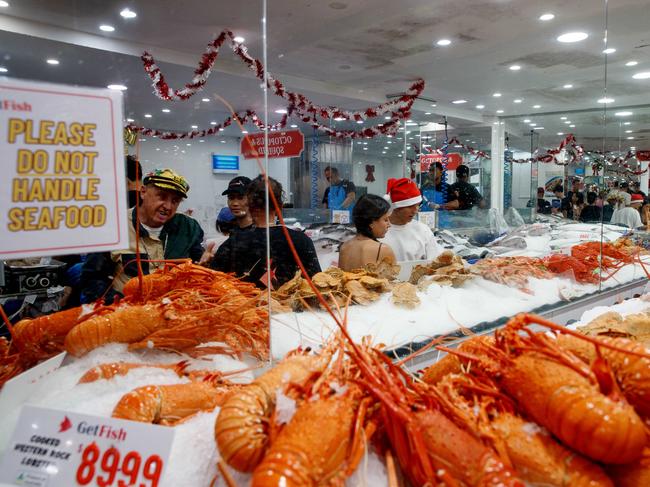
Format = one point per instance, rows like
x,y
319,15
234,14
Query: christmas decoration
x,y
370,173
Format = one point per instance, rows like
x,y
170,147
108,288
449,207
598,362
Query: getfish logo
x,y
15,106
65,425
102,431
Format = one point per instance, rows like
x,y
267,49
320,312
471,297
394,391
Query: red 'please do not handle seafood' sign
x,y
281,144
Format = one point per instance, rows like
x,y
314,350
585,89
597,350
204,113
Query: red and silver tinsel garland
x,y
308,111
569,142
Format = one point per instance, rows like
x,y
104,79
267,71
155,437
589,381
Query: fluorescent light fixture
x,y
130,120
546,17
497,95
361,121
443,42
538,128
623,114
568,86
3,69
4,4
518,100
281,111
526,120
499,111
147,115
606,100
642,75
205,100
117,87
532,124
629,131
537,106
459,102
427,113
165,110
195,126
631,63
627,123
560,133
238,39
294,126
562,118
609,50
480,107
572,37
339,119
572,126
567,122
127,13
514,67
53,62
106,28
630,137
434,105
244,131
221,129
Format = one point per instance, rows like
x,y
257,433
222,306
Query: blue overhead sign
x,y
225,163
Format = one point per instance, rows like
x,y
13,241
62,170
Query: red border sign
x,y
454,159
281,144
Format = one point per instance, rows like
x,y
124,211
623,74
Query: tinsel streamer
x,y
445,160
314,170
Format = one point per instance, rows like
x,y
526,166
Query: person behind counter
x,y
462,195
629,216
244,253
371,219
591,213
543,206
341,193
409,239
164,234
433,190
238,203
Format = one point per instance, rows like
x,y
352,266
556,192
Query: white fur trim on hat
x,y
408,202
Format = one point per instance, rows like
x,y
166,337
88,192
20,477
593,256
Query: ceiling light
x,y
339,119
205,99
568,122
3,69
459,102
383,152
567,86
223,141
238,39
562,118
127,13
201,140
53,62
427,113
514,67
632,147
434,105
3,4
518,100
195,126
365,148
572,126
361,121
629,131
539,128
213,123
281,110
606,100
630,138
116,87
609,50
480,107
532,124
560,133
443,42
496,95
642,75
221,129
526,120
537,106
165,110
130,120
499,111
546,17
244,131
627,123
188,144
147,115
106,28
572,37
294,126
623,114
632,63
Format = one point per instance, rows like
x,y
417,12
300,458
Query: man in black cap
x,y
462,195
237,201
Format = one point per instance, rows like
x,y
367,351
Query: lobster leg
x,y
358,445
225,473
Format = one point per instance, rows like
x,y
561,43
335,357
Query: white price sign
x,y
57,448
341,216
63,187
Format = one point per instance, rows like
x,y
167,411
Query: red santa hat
x,y
403,192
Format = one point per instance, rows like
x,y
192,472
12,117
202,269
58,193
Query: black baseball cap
x,y
462,170
237,185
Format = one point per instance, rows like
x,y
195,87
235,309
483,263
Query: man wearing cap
x,y
409,239
463,195
237,201
164,234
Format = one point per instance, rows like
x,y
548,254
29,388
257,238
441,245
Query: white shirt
x,y
154,232
413,241
627,216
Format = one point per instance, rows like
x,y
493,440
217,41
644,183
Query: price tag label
x,y
57,448
341,216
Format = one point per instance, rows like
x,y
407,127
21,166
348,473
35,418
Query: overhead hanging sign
x,y
454,159
63,187
642,155
61,449
281,144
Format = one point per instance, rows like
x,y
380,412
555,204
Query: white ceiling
x,y
353,53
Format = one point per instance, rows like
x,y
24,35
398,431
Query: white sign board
x,y
63,187
429,218
341,216
57,448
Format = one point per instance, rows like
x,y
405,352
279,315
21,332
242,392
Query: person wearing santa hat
x,y
409,238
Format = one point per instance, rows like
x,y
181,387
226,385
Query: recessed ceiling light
x,y
130,120
434,105
339,119
606,100
383,152
213,123
527,120
630,137
281,110
568,86
627,123
532,124
623,114
127,13
3,69
53,62
562,118
443,42
294,126
560,133
632,63
195,126
572,37
459,102
205,99
514,67
238,39
365,148
546,17
106,28
4,4
188,144
609,50
629,131
359,121
496,95
537,106
568,122
539,128
480,107
201,140
572,126
427,113
223,141
116,87
147,115
499,111
221,129
642,75
632,147
165,110
244,131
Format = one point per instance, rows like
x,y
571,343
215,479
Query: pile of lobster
x,y
177,308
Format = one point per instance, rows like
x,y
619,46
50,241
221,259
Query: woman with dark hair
x,y
244,253
370,216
